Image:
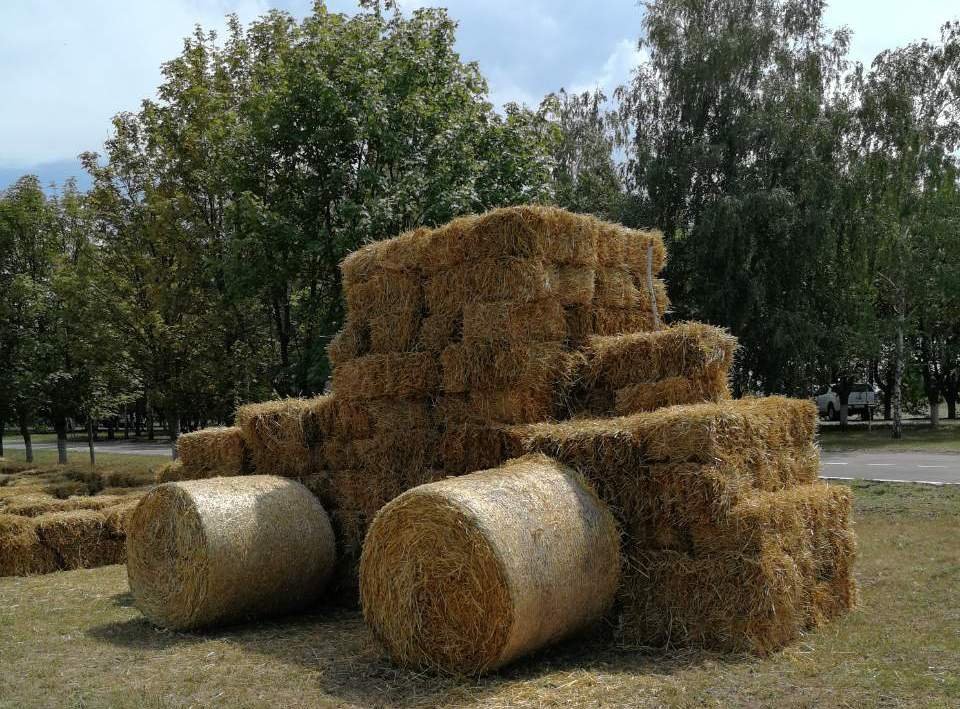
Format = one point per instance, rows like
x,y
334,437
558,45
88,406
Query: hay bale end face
x,y
205,552
213,452
468,573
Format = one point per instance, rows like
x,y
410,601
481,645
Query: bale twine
x,y
468,573
211,551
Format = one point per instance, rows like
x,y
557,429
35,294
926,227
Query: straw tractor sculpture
x,y
516,448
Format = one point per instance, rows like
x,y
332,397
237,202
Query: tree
x,y
910,117
738,148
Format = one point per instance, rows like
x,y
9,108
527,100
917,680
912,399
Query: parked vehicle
x,y
863,399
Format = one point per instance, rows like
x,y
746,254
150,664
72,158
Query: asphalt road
x,y
904,466
121,447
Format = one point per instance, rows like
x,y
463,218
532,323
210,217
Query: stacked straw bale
x,y
213,452
470,573
730,542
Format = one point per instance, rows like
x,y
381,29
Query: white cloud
x,y
616,70
67,67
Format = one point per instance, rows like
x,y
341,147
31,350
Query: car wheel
x,y
832,413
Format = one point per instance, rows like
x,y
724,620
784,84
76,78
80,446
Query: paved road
x,y
910,466
121,447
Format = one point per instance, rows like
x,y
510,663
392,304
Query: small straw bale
x,y
615,288
171,472
21,551
731,603
32,506
513,406
363,490
618,246
467,447
349,529
388,453
670,392
351,342
80,539
116,517
576,285
401,374
493,367
585,321
538,321
687,349
516,232
279,435
439,330
489,280
383,293
395,332
219,451
469,573
206,552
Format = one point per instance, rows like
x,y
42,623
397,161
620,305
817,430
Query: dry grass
x,y
74,639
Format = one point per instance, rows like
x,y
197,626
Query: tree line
x,y
810,204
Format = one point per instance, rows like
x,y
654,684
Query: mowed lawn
x,y
74,639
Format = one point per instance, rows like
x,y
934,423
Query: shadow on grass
x,y
349,665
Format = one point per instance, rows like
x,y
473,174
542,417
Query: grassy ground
x,y
945,439
76,459
74,639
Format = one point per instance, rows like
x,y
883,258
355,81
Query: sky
x,y
67,67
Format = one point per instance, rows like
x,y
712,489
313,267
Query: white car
x,y
862,400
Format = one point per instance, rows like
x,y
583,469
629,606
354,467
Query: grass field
x,y
74,639
46,458
946,439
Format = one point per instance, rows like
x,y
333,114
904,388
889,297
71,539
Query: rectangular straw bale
x,y
439,330
280,434
361,489
670,392
213,452
744,431
349,530
686,349
402,253
618,246
506,321
489,280
465,448
615,288
80,539
585,321
407,374
21,551
493,367
32,506
390,454
351,342
350,419
396,332
576,285
384,292
516,232
734,603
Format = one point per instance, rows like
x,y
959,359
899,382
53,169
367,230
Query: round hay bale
x,y
466,574
207,552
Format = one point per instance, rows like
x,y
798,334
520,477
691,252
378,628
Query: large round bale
x,y
205,552
468,573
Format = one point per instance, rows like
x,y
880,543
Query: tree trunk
x,y
951,398
150,433
934,411
60,426
844,385
90,444
27,440
173,424
897,427
887,395
2,424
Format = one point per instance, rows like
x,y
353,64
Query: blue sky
x,y
66,67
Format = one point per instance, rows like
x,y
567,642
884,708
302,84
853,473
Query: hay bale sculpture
x,y
531,330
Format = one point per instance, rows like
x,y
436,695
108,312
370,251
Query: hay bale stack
x,y
212,551
213,452
34,506
722,494
469,573
21,551
80,539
